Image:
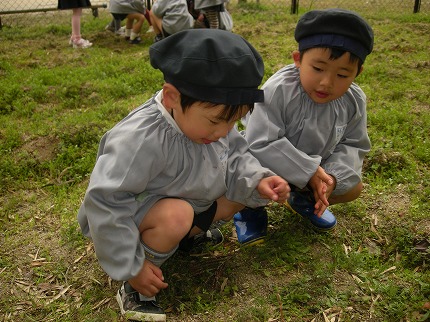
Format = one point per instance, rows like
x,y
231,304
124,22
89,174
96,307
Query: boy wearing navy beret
x,y
176,164
312,127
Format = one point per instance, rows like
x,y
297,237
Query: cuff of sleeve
x,y
255,200
341,188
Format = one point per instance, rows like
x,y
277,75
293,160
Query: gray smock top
x,y
292,135
145,158
127,6
175,15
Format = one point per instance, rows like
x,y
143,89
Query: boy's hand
x,y
149,281
322,185
319,182
274,188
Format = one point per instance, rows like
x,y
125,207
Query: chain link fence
x,y
30,12
365,6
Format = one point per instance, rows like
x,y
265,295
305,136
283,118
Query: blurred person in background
x,y
212,10
132,10
169,17
76,41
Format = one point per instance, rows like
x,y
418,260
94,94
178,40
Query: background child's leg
x,y
213,18
76,24
137,26
117,24
148,17
156,23
128,26
76,40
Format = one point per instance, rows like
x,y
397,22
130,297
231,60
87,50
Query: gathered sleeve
x,y
346,161
125,165
268,136
244,173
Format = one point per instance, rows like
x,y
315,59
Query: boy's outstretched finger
x,y
320,195
319,208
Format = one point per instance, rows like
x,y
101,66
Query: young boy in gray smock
x,y
176,164
311,129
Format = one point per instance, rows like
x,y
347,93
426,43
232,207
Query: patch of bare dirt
x,y
42,148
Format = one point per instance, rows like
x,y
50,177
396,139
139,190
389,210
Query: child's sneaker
x,y
134,309
150,29
135,41
251,226
110,27
158,37
303,203
218,224
81,43
211,237
120,32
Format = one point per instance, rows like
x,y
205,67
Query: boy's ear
x,y
360,71
171,96
296,58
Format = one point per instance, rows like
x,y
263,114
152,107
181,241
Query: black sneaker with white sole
x,y
132,308
135,41
211,237
196,244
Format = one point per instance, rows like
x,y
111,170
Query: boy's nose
x,y
327,80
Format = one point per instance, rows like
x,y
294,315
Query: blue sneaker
x,y
251,226
303,203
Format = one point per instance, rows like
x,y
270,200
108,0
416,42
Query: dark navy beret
x,y
335,28
210,65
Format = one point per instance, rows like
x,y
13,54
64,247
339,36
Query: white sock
x,y
156,258
133,35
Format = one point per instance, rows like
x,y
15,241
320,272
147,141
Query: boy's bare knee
x,y
166,223
170,216
179,222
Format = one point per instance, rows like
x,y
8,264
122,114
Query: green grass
x,y
56,103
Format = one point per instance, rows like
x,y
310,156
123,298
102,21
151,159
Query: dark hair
x,y
228,113
335,53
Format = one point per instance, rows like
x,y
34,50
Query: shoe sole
x,y
254,242
81,47
318,229
139,316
